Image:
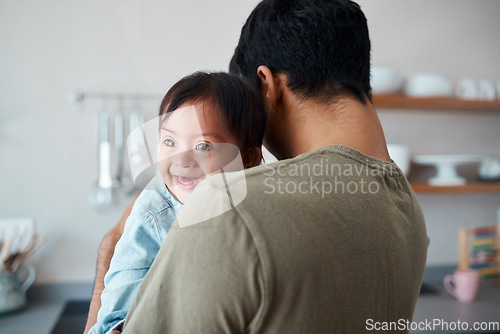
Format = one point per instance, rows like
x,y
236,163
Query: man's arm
x,y
105,254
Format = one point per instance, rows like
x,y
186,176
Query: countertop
x,y
46,304
442,307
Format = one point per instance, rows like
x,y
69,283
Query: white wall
x,y
51,48
47,146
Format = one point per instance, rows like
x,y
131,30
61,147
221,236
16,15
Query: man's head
x,y
322,46
298,52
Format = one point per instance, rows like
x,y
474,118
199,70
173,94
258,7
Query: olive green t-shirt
x,y
328,242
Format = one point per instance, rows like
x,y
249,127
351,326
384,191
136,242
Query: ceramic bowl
x,y
428,85
385,80
400,154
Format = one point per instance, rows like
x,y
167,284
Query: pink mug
x,y
463,285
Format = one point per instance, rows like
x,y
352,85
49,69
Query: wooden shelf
x,y
403,102
469,188
434,103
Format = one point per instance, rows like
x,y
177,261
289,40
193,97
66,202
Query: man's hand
x,y
118,329
106,251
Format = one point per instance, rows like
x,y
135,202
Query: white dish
x,y
486,90
385,80
400,154
428,85
466,89
446,167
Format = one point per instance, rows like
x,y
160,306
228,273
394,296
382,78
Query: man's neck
x,y
346,122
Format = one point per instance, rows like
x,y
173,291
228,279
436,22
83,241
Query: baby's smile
x,y
187,183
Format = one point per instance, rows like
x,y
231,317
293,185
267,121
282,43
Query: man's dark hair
x,y
240,106
322,46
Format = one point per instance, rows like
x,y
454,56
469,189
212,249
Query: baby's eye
x,y
203,147
169,143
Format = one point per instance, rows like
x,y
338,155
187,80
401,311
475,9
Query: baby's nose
x,y
185,159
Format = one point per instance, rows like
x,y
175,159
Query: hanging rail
x,y
80,97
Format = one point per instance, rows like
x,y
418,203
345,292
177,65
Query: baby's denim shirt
x,y
145,230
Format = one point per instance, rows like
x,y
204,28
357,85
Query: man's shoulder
x,y
332,155
326,176
224,192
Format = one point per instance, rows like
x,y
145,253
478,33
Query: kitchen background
x,y
50,49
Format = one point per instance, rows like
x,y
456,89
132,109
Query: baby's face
x,y
193,145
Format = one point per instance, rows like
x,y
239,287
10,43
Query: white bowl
x,y
385,80
428,85
400,154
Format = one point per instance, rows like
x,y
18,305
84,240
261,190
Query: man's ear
x,y
271,85
251,157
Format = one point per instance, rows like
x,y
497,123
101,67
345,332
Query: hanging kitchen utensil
x,y
121,179
135,138
135,141
102,195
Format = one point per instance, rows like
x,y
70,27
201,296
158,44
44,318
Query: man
x,y
332,239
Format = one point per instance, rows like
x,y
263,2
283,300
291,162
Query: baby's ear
x,y
251,157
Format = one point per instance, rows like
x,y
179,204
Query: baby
x,y
206,119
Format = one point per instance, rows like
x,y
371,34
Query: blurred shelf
x,y
442,103
469,188
433,103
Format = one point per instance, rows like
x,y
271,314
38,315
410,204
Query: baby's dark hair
x,y
240,106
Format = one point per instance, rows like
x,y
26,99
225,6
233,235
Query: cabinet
x,y
450,104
